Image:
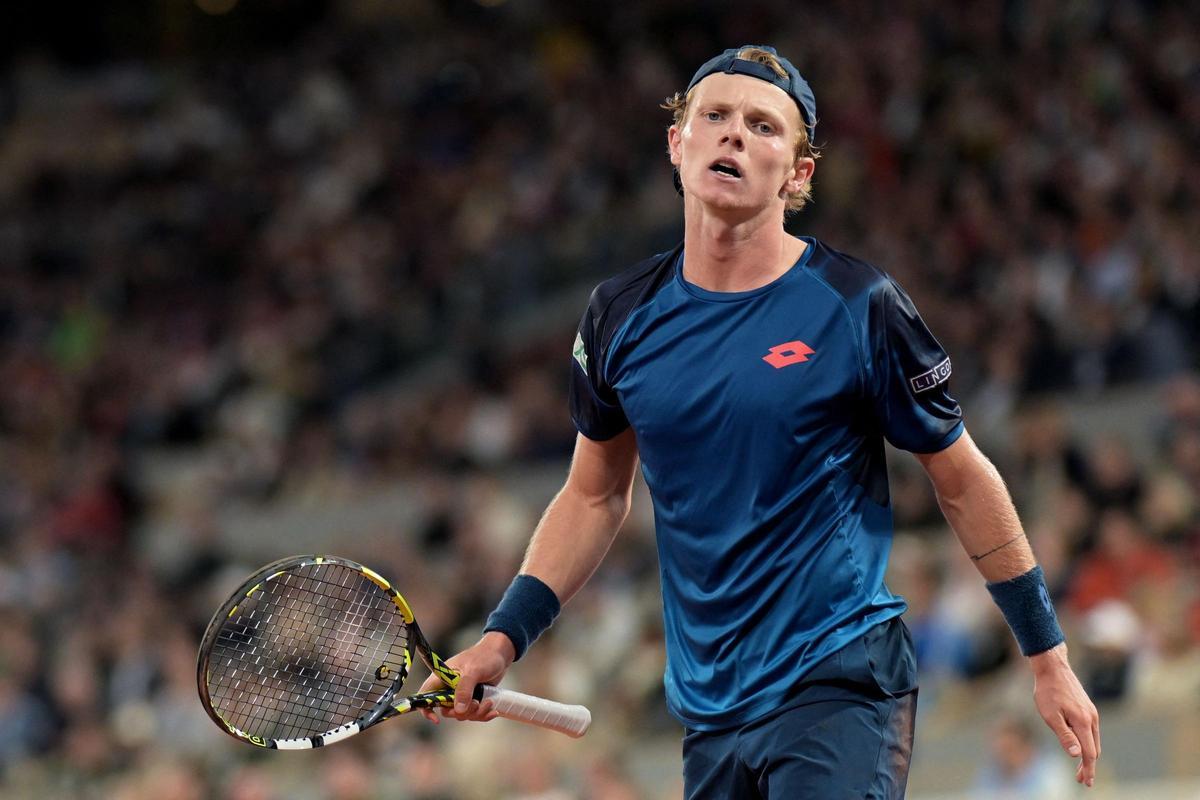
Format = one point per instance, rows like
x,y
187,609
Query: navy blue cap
x,y
794,84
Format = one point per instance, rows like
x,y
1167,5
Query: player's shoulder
x,y
614,299
851,278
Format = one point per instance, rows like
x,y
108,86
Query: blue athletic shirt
x,y
760,418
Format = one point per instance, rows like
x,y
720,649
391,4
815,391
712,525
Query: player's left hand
x,y
1067,709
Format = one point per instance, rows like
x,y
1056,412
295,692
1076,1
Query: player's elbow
x,y
959,469
619,507
615,507
611,506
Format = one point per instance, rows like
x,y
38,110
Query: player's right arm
x,y
568,545
583,519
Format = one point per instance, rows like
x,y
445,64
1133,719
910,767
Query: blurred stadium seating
x,y
286,277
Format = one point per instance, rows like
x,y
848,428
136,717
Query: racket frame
x,y
381,710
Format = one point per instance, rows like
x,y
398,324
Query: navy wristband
x,y
526,610
1026,606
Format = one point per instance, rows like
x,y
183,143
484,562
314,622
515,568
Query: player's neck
x,y
736,257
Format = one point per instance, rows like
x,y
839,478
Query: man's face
x,y
736,149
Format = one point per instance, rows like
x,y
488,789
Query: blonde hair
x,y
678,103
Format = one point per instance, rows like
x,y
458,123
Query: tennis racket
x,y
313,649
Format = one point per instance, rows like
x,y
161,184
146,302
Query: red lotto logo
x,y
788,353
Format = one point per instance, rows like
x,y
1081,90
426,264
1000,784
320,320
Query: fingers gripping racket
x,y
313,649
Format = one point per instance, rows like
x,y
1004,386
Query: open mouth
x,y
725,168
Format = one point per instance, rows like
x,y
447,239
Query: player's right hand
x,y
484,662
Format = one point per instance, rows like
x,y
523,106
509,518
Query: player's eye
x,y
712,116
765,127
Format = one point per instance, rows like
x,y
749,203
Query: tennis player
x,y
757,375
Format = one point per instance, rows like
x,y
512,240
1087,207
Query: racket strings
x,y
302,654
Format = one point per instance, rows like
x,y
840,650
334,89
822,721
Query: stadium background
x,y
280,277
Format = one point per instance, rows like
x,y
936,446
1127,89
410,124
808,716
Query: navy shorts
x,y
846,732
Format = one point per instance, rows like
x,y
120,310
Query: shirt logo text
x,y
927,380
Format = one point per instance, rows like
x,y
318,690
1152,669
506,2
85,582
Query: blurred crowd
x,y
226,276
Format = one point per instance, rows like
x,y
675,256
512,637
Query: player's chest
x,y
724,368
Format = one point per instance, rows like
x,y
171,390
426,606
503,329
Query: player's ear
x,y
801,174
673,145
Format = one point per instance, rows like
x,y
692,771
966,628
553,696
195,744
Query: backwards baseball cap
x,y
794,84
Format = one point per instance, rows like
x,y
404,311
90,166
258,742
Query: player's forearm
x,y
568,545
984,520
572,538
976,504
979,509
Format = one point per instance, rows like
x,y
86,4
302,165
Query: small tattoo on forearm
x,y
997,547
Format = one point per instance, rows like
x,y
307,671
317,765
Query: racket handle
x,y
571,720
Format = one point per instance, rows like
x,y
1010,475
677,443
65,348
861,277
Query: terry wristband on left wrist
x,y
1026,606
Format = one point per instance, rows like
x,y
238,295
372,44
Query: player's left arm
x,y
977,505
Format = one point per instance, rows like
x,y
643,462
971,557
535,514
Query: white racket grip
x,y
571,720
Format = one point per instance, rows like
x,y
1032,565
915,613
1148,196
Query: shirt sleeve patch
x,y
931,378
579,353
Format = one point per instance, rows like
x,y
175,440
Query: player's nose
x,y
735,132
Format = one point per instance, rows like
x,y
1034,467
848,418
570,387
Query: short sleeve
x,y
595,408
909,375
